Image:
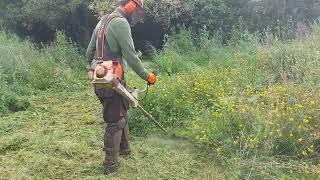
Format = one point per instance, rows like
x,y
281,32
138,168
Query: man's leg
x,y
124,146
112,139
117,130
114,116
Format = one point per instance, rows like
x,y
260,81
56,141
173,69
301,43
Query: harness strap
x,y
104,53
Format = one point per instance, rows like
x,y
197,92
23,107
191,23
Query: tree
x,y
172,14
39,19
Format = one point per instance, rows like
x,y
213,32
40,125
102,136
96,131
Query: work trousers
x,y
116,139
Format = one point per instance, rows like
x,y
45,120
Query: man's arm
x,y
91,48
122,32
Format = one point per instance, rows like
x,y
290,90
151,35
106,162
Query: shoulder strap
x,y
100,50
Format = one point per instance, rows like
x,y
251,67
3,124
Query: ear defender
x,y
130,7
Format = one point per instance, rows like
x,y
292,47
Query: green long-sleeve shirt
x,y
119,38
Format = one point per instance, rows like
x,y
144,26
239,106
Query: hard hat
x,y
135,8
140,3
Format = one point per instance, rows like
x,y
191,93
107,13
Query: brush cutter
x,y
106,76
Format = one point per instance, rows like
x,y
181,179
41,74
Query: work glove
x,y
152,78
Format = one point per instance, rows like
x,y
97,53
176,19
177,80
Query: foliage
x,y
252,103
215,14
24,69
285,18
39,20
256,107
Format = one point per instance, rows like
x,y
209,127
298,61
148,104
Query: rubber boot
x,y
124,145
112,144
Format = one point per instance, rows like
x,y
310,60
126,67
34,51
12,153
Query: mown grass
x,y
60,137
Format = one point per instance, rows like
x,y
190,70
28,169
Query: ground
x,y
60,137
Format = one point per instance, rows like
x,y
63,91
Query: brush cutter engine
x,y
108,74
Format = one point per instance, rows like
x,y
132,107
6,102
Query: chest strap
x,y
103,51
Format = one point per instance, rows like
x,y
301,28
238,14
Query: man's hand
x,y
90,75
152,78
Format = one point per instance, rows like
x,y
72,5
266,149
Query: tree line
x,y
38,20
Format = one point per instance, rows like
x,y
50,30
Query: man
x,y
112,40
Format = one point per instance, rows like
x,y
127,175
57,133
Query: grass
x,y
60,137
252,107
255,105
25,69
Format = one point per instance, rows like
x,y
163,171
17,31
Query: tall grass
x,y
255,105
25,69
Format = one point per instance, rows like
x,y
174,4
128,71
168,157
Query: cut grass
x,y
60,137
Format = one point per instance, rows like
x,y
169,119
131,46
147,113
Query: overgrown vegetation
x,y
24,69
253,106
38,20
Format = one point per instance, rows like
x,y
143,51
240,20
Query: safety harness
x,y
104,55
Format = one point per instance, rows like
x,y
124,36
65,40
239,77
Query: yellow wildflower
x,y
307,172
304,153
299,106
310,150
197,137
306,121
282,88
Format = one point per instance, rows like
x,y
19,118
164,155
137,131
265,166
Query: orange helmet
x,y
135,8
140,3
